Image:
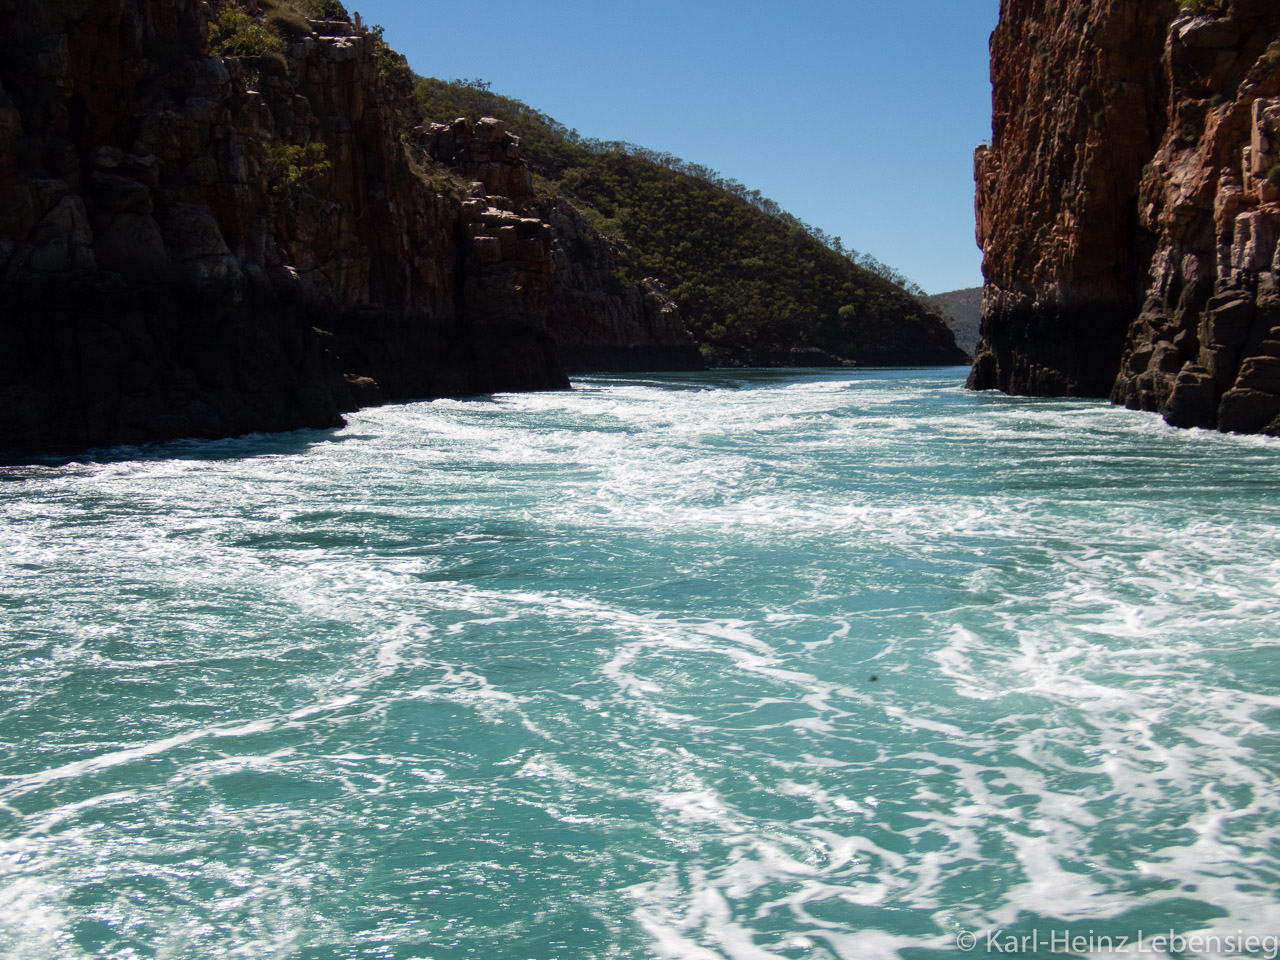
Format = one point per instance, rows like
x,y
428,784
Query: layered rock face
x,y
1127,208
1205,350
1078,108
601,321
598,319
194,245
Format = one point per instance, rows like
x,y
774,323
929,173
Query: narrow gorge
x,y
1128,208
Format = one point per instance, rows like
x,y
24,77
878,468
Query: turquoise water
x,y
738,665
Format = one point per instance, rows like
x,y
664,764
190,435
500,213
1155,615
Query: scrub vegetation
x,y
752,280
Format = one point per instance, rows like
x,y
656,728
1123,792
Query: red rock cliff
x,y
198,245
1127,207
1078,109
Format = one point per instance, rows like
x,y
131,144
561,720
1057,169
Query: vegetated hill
x,y
963,309
755,285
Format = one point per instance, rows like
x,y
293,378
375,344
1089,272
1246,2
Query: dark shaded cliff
x,y
203,245
1127,208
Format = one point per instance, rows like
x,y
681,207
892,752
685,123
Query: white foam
x,y
649,615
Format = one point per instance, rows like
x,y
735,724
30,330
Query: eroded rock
x,y
1129,208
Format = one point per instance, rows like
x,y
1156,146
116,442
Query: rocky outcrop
x,y
203,245
1129,208
1205,349
599,318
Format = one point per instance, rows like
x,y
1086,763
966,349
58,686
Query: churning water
x,y
737,665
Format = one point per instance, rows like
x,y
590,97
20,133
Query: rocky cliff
x,y
1127,207
194,244
598,319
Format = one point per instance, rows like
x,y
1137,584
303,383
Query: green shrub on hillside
x,y
313,9
289,23
393,66
323,9
234,33
288,165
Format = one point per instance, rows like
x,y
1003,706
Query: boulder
x,y
1244,410
1193,402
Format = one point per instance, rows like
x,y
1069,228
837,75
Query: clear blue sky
x,y
859,117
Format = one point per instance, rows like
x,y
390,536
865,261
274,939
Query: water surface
x,y
736,665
